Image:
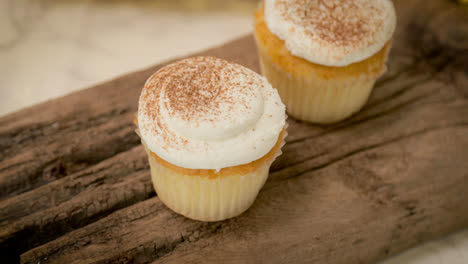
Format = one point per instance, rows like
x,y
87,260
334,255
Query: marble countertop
x,y
49,48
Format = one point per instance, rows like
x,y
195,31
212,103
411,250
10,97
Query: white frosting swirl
x,y
207,113
332,32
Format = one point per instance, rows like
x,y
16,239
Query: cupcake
x,y
324,56
211,130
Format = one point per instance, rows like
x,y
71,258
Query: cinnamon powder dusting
x,y
337,22
195,90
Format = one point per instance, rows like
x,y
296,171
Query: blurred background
x,y
49,48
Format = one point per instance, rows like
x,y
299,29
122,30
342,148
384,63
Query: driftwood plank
x,y
79,183
49,211
40,147
75,185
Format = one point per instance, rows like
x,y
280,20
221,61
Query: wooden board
x,y
75,185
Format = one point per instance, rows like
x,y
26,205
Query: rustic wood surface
x,y
75,185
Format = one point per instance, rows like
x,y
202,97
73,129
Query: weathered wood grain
x,y
75,185
75,188
74,201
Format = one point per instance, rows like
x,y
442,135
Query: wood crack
x,y
367,148
70,205
61,161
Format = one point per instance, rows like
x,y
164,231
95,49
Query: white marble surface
x,y
51,48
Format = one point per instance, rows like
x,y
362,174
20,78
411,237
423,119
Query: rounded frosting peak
x,y
207,113
332,32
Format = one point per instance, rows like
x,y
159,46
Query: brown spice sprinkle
x,y
337,22
195,90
